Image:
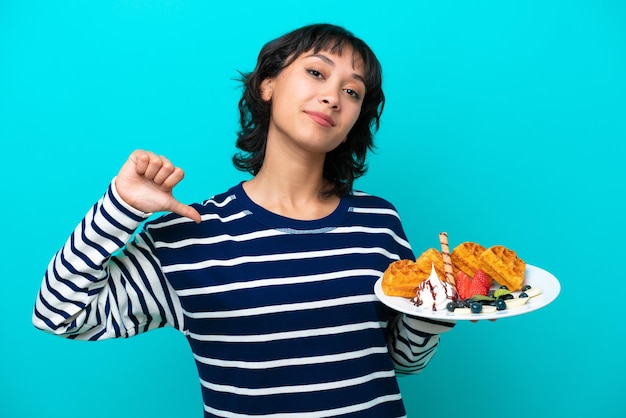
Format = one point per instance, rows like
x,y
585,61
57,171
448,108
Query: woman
x,y
271,281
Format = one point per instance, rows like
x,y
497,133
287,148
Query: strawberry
x,y
463,283
482,277
480,284
477,288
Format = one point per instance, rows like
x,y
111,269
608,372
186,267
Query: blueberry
x,y
527,287
468,302
476,307
500,305
506,297
460,304
523,295
451,306
504,287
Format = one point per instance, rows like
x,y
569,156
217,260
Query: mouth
x,y
321,118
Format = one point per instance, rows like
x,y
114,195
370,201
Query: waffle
x,y
504,266
425,263
465,257
402,278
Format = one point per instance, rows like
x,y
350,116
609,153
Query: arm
x,y
89,293
413,341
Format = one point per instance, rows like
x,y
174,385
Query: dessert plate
x,y
533,276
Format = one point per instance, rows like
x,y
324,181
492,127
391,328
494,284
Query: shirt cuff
x,y
428,325
125,205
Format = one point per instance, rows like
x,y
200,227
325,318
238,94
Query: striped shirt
x,y
280,313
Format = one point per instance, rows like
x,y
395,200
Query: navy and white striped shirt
x,y
280,314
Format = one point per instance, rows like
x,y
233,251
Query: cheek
x,y
354,114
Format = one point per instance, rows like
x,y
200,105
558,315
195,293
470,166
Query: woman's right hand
x,y
146,181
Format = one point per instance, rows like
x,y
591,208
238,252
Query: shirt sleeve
x,y
413,341
106,282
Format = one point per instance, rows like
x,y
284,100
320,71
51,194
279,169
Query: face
x,y
316,100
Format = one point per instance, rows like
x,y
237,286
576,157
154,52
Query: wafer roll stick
x,y
447,261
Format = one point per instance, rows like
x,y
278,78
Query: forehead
x,y
346,53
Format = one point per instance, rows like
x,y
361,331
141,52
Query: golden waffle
x,y
402,278
465,257
425,263
504,266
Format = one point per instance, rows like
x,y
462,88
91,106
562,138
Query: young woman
x,y
272,280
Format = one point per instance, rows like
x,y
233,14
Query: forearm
x,y
413,341
88,293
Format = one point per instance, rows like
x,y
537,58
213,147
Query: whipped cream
x,y
434,293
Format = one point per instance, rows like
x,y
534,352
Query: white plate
x,y
533,276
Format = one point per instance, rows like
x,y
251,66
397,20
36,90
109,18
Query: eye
x,y
315,73
353,93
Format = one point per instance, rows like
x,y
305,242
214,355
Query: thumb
x,y
186,211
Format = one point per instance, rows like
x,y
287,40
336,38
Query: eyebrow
x,y
332,64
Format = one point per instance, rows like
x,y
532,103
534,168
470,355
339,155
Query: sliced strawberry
x,y
480,284
482,277
463,284
477,288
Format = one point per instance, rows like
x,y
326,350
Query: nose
x,y
330,99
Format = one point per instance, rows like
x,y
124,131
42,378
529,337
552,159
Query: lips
x,y
321,118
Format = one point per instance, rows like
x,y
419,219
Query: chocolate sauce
x,y
417,301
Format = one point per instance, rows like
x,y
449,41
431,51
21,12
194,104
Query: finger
x,y
186,211
140,159
166,170
153,167
174,178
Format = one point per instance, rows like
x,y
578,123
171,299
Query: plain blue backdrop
x,y
505,124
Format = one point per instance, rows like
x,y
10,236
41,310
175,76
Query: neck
x,y
292,188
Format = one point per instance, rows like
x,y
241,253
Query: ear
x,y
267,89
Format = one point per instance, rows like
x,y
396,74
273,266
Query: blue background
x,y
505,124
